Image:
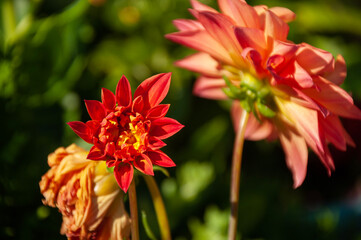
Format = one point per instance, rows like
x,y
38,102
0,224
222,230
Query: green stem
x,y
159,207
236,173
133,211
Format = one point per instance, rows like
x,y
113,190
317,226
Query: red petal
x,y
160,158
158,111
123,173
144,165
339,74
154,89
155,143
82,130
138,104
96,154
95,109
123,93
108,99
164,127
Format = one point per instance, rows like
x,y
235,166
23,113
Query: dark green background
x,y
54,54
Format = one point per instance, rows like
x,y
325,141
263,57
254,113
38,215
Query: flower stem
x,y
159,207
236,172
133,211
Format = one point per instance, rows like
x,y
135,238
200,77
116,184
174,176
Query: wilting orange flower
x,y
127,132
292,89
86,194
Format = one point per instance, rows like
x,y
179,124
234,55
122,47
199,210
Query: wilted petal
x,y
160,158
210,88
164,127
154,89
144,164
123,92
95,109
123,173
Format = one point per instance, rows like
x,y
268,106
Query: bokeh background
x,y
56,53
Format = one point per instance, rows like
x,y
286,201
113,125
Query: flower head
x,y
86,194
128,132
292,89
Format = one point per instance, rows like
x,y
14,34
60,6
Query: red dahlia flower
x,y
292,89
128,132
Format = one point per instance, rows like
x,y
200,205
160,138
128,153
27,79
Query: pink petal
x,y
284,13
123,92
159,158
123,173
255,130
200,40
201,7
296,152
253,38
202,63
243,14
108,99
96,154
222,30
154,89
338,75
274,26
144,164
334,98
307,124
187,25
158,111
314,60
164,127
82,130
210,88
334,131
95,109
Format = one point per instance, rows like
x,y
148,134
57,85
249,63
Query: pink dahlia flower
x,y
292,89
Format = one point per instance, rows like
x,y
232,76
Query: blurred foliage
x,y
56,53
